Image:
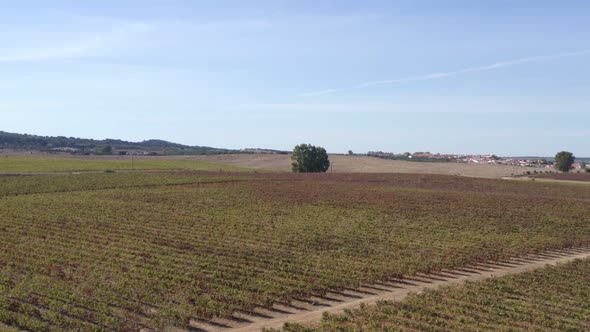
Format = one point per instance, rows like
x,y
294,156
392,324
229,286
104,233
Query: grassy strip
x,y
43,165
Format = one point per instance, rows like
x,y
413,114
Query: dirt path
x,y
309,311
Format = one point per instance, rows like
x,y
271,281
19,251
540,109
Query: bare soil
x,y
363,164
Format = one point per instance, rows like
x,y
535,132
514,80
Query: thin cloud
x,y
66,51
94,45
438,104
440,75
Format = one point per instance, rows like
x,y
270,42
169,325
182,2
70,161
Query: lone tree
x,y
308,158
564,161
107,149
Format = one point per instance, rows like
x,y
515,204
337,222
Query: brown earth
x,y
364,164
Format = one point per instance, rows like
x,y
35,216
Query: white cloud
x,y
439,75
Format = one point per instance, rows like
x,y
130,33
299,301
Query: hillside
x,y
92,146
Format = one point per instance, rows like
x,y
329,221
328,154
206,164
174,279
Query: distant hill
x,y
109,146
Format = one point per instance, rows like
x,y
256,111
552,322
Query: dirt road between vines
x,y
310,311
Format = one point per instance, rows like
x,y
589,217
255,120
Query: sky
x,y
503,77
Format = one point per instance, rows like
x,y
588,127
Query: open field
x,y
126,251
14,161
551,299
48,163
362,164
571,176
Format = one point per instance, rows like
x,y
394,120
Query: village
x,y
474,159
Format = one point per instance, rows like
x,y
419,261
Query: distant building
x,y
263,151
65,149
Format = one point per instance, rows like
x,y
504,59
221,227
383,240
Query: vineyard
x,y
126,251
550,299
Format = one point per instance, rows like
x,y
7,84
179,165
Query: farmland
x,y
582,176
126,251
364,164
551,299
17,164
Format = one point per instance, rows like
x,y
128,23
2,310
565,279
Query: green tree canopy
x,y
107,149
564,161
308,158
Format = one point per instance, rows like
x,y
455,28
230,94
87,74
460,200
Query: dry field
x,y
282,163
362,164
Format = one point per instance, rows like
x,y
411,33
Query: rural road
x,y
310,311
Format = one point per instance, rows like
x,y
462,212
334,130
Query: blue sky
x,y
504,77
